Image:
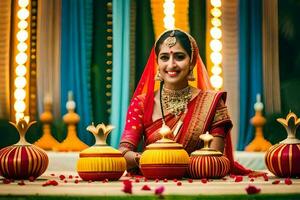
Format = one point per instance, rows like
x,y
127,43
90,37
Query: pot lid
x,y
164,143
206,150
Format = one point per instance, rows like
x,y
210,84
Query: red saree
x,y
206,112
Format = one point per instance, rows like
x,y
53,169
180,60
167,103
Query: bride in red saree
x,y
188,111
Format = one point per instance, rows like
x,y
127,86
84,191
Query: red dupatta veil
x,y
147,85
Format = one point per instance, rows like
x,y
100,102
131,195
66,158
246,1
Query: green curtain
x,y
101,69
144,36
197,21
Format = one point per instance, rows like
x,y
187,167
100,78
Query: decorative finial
x,y
100,132
22,125
290,123
71,105
207,138
258,106
164,130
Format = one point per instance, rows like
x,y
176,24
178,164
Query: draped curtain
x,y
230,62
121,68
76,34
250,65
101,69
48,54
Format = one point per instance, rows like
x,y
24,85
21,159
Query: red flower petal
x,y
232,176
165,180
251,179
145,179
179,183
62,177
174,180
31,178
50,182
65,181
266,178
52,174
159,190
204,180
137,180
76,181
190,180
70,176
252,189
288,181
6,181
238,179
156,180
127,186
224,179
21,183
146,187
276,182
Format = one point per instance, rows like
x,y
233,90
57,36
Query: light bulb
x,y
19,106
216,81
23,3
21,70
21,58
20,82
215,33
216,58
215,45
20,94
22,35
23,14
22,47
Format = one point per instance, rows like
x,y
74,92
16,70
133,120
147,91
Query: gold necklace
x,y
175,101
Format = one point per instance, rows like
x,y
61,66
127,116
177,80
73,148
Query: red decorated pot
x,y
164,159
207,162
283,159
22,160
100,161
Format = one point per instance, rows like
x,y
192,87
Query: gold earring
x,y
190,76
158,77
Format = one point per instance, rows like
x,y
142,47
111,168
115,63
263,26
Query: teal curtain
x,y
250,61
76,44
121,68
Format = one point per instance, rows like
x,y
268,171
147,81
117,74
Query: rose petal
x,y
62,177
179,183
159,190
6,181
76,181
50,182
146,187
137,180
288,181
190,180
21,183
204,180
238,179
276,182
127,186
31,178
266,178
165,180
251,179
251,189
175,180
232,176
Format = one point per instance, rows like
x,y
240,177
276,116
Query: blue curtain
x,y
76,44
121,68
250,60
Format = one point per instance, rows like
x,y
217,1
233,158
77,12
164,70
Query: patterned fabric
x,y
201,111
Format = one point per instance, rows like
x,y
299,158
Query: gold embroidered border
x,y
199,119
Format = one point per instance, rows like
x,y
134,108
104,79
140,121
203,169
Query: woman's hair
x,y
180,36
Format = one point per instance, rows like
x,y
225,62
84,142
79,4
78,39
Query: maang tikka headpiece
x,y
171,40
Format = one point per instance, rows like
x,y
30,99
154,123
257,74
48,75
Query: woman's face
x,y
174,66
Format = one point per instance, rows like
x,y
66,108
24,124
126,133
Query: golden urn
x,y
283,159
164,158
22,160
207,162
100,161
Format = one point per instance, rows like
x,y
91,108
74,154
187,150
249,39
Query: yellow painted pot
x,y
100,161
164,159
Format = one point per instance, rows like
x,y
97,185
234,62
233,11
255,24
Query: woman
x,y
188,111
